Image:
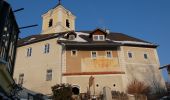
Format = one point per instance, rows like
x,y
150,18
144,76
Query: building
x,y
60,54
8,40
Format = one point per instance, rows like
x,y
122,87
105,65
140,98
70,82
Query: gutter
x,y
62,51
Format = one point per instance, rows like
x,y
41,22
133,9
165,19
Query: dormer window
x,y
71,37
67,23
50,23
98,37
101,37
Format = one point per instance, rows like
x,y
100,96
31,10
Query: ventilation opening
x,y
75,91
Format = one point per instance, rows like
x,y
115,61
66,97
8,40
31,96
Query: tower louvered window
x,y
50,23
67,23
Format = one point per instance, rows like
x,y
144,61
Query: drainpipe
x,y
62,52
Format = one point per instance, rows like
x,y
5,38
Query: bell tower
x,y
58,20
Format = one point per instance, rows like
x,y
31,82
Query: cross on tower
x,y
59,2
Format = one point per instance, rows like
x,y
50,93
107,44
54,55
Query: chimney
x,y
107,31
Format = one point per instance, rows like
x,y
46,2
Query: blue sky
x,y
144,19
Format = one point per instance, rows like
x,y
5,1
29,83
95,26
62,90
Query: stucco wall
x,y
112,81
138,55
83,62
146,70
35,67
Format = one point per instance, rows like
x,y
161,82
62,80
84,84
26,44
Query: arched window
x,y
67,23
75,90
50,23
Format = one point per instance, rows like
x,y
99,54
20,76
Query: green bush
x,y
62,92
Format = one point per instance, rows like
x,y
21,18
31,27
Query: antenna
x,y
18,10
28,26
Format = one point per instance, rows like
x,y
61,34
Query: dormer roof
x,y
98,31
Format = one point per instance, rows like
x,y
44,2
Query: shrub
x,y
137,87
168,86
62,92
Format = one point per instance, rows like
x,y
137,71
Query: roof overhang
x,y
140,45
92,46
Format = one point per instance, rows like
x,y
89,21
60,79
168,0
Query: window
x,y
101,37
21,79
29,52
109,54
75,90
95,37
145,56
49,75
130,55
98,37
67,23
46,48
93,54
73,52
50,23
71,37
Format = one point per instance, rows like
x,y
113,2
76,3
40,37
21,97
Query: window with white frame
x,y
145,56
29,52
21,79
73,52
109,54
93,54
130,55
49,75
46,48
98,37
101,37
